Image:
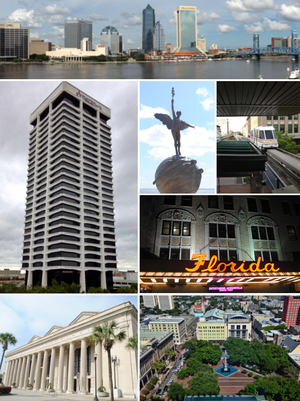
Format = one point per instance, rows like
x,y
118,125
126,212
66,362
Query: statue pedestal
x,y
178,174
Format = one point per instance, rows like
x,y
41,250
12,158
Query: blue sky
x,y
196,101
227,23
27,315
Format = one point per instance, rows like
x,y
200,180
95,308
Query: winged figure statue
x,y
175,125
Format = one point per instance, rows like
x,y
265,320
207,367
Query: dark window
x,y
292,233
265,206
186,200
252,204
228,202
213,202
286,209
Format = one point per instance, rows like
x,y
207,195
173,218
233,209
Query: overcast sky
x,y
228,23
27,315
17,101
196,101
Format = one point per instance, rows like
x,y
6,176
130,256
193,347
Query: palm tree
x,y
132,342
5,339
105,334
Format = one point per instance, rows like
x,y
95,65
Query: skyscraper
x,y
158,37
148,24
111,37
186,25
14,41
76,30
69,220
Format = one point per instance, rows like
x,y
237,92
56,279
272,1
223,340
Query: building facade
x,y
291,311
39,47
76,30
174,325
158,38
186,25
111,38
209,240
69,230
148,25
14,41
64,356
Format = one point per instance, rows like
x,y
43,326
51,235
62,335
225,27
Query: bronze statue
x,y
176,125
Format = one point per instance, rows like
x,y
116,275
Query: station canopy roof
x,y
258,98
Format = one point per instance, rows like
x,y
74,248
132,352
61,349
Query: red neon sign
x,y
215,266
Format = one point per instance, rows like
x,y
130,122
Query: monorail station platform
x,y
240,159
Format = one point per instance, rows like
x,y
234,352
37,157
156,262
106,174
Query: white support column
x,y
32,371
65,371
71,369
98,350
6,372
45,365
22,372
82,281
52,365
36,386
103,280
29,278
60,368
83,367
26,373
11,370
19,371
14,374
44,278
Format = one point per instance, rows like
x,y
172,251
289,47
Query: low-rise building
x,y
39,47
174,325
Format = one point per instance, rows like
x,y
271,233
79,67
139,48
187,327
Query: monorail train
x,y
264,137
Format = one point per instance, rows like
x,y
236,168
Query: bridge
x,y
257,51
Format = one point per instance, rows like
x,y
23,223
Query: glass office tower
x,y
148,24
69,230
14,41
110,37
76,30
186,20
158,37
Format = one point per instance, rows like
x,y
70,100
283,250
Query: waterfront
x,y
267,68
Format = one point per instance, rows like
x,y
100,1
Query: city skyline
x,y
28,95
231,26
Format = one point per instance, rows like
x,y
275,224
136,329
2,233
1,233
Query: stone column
x,y
16,367
7,367
98,350
71,368
29,279
26,373
83,367
65,371
45,365
60,368
22,372
103,280
19,371
52,364
44,278
38,372
82,281
11,372
32,371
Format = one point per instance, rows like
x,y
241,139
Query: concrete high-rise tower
x,y
148,25
76,30
186,29
69,220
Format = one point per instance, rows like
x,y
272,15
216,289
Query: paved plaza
x,y
20,395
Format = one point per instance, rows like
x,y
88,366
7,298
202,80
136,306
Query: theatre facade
x,y
220,243
65,357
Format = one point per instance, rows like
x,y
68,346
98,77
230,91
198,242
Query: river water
x,y
267,68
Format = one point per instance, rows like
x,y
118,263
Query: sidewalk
x,y
20,395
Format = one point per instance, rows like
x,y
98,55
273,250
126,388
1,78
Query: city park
x,y
230,367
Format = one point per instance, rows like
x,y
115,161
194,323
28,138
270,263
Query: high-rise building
x,y
76,30
148,25
186,24
165,302
150,301
14,41
112,39
158,37
69,219
291,311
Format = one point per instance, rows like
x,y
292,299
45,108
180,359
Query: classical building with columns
x,y
65,356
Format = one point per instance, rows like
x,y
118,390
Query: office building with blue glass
x,y
148,25
186,21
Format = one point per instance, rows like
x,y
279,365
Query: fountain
x,y
225,370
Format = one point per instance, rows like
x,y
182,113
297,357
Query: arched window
x,y
174,235
222,236
263,235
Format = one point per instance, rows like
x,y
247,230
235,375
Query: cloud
x,y
251,5
172,20
267,25
129,41
97,17
225,29
203,17
148,112
26,18
131,19
291,13
208,104
35,35
245,17
54,9
202,91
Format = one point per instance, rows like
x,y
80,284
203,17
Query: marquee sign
x,y
213,265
